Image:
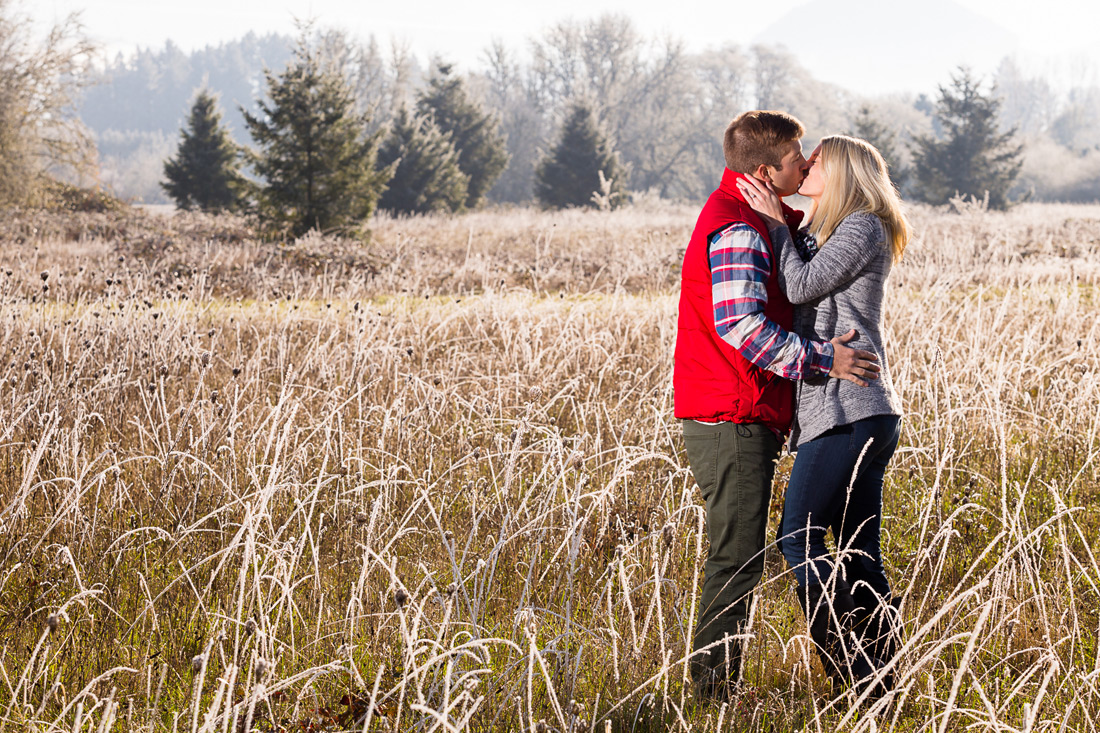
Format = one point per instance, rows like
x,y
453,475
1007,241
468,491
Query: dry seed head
x,y
196,663
261,666
668,533
45,275
541,727
51,622
401,597
529,622
250,626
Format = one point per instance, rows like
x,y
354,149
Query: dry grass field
x,y
433,482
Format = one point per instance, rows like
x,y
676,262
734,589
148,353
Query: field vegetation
x,y
432,482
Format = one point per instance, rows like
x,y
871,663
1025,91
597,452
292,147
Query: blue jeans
x,y
829,491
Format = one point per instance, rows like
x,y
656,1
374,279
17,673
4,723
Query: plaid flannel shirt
x,y
740,264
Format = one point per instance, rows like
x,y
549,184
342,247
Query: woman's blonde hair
x,y
857,180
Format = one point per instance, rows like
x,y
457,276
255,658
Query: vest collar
x,y
729,184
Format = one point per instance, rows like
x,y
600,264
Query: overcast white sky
x,y
1052,33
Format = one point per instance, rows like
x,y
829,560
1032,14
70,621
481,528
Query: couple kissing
x,y
779,338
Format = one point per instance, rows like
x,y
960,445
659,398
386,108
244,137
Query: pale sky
x,y
1054,36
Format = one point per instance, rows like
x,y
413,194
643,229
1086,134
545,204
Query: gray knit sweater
x,y
841,288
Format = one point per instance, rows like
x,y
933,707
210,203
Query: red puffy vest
x,y
711,380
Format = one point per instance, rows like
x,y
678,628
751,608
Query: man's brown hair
x,y
757,138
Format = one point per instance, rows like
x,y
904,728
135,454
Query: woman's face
x,y
814,185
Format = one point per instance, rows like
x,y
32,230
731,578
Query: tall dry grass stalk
x,y
434,483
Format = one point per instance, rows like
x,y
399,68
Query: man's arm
x,y
740,264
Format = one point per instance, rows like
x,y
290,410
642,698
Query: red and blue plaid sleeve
x,y
740,264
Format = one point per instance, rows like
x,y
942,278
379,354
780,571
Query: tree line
x,y
594,115
318,162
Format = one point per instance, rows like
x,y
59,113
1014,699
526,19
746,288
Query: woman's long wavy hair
x,y
857,180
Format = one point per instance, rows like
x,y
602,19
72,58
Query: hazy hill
x,y
847,42
152,89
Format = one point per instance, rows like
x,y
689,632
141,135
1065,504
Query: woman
x,y
845,433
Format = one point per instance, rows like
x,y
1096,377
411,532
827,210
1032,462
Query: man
x,y
735,366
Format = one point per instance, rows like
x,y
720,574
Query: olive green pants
x,y
733,465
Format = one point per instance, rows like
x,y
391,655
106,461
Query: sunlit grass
x,y
433,481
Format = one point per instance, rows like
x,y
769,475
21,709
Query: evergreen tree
x,y
570,174
972,157
868,127
482,154
316,159
205,173
426,173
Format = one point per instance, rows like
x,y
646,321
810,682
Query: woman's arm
x,y
857,241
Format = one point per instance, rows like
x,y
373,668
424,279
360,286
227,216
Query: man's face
x,y
788,177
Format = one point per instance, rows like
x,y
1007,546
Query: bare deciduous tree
x,y
1029,103
513,92
40,77
773,69
380,85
